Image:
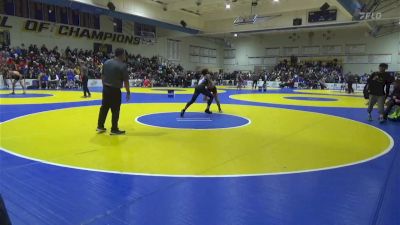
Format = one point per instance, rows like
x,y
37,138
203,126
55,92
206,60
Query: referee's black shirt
x,y
114,73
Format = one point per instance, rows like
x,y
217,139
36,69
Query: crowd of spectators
x,y
62,67
310,74
49,65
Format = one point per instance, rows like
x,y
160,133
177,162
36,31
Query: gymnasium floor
x,y
281,157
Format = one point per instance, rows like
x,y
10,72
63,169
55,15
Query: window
x,y
173,49
229,53
36,10
230,56
9,7
203,55
117,23
5,37
62,15
49,13
52,13
272,51
355,48
332,49
142,29
73,17
288,51
311,50
85,19
21,8
90,21
96,21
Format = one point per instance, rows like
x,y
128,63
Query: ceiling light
x,y
227,6
235,34
276,0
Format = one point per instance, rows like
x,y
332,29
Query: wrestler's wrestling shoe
x,y
208,111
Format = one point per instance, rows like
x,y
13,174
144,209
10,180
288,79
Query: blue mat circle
x,y
193,121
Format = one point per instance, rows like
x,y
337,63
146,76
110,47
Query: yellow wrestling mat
x,y
276,141
328,92
304,100
163,90
44,96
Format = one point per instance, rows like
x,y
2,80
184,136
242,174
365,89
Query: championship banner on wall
x,y
70,31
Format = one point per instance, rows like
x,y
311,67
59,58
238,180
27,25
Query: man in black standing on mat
x,y
377,91
201,88
255,78
85,80
115,73
350,81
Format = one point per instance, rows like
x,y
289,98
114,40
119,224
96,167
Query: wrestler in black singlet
x,y
201,88
214,91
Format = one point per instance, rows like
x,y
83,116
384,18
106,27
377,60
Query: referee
x,y
114,74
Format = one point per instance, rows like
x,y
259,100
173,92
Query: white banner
x,y
194,82
273,84
28,82
137,83
338,86
330,86
95,83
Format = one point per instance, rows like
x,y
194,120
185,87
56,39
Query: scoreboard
x,y
322,16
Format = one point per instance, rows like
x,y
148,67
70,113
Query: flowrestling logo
x,y
370,15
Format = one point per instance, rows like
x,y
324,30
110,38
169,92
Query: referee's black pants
x,y
111,99
85,88
350,87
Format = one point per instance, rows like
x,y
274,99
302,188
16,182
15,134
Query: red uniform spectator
x,y
147,82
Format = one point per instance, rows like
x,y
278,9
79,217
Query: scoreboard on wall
x,y
322,16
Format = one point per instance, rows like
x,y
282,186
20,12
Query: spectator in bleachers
x,y
394,99
70,78
33,60
53,80
146,82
